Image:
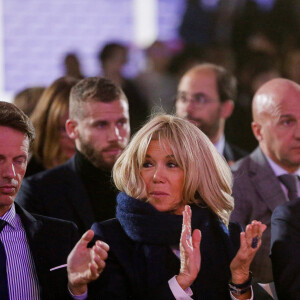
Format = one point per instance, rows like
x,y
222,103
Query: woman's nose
x,y
158,175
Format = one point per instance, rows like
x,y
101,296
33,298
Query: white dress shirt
x,y
220,145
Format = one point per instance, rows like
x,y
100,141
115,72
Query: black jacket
x,y
61,193
50,241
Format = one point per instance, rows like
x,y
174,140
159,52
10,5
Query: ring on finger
x,y
255,242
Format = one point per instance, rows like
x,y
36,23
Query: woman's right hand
x,y
85,264
190,257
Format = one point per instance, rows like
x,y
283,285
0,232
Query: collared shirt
x,y
220,145
21,273
280,171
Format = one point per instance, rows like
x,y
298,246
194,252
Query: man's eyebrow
x,y
100,122
122,119
286,116
15,157
193,94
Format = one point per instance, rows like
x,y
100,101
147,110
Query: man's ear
x,y
227,109
257,131
71,128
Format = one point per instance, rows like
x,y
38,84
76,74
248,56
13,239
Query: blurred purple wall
x,y
38,33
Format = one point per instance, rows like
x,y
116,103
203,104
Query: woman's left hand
x,y
250,243
190,258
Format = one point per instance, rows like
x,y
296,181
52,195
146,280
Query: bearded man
x,y
81,190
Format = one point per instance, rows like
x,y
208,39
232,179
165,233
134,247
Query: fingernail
x,y
254,242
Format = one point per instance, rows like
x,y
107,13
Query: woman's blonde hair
x,y
207,177
46,118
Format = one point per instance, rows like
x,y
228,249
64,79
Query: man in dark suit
x,y
31,246
285,244
81,189
259,179
205,98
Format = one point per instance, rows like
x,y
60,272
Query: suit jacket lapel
x,y
227,153
46,254
31,225
262,176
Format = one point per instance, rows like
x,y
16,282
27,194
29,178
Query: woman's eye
x,y
172,165
147,164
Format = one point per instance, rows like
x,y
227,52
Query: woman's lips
x,y
159,194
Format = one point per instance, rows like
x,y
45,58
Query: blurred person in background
x,y
72,66
113,58
257,68
156,82
205,97
222,55
196,27
188,57
52,145
291,65
28,98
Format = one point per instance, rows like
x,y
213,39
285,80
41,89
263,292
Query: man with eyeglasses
x,y
205,98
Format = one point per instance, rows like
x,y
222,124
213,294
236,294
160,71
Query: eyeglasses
x,y
198,99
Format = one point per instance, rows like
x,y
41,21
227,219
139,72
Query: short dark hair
x,y
226,81
93,89
109,51
13,117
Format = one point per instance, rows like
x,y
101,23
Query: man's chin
x,y
104,160
7,200
197,123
